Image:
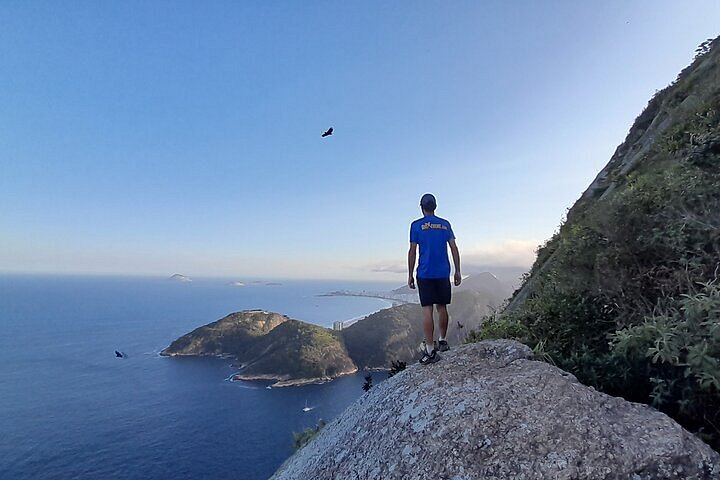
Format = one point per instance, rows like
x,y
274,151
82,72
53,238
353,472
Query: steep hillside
x,y
487,285
231,335
395,333
382,337
626,294
484,283
297,350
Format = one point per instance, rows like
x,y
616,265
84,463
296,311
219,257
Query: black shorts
x,y
434,291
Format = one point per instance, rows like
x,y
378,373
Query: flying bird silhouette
x,y
327,133
460,325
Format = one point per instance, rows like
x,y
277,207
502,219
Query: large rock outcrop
x,y
488,411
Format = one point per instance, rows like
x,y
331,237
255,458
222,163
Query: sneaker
x,y
443,346
428,358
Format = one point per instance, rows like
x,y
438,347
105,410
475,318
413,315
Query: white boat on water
x,y
306,409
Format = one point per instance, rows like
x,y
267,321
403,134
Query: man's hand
x,y
411,264
456,261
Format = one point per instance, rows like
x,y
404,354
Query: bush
x,y
396,367
300,439
368,383
501,326
679,348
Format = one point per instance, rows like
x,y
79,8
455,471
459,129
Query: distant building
x,y
337,326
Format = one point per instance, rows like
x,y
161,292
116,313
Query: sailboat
x,y
306,409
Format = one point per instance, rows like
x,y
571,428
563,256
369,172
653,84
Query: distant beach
x,y
392,303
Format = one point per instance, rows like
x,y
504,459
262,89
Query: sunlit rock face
x,y
487,410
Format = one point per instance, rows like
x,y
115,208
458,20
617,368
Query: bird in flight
x,y
460,325
327,133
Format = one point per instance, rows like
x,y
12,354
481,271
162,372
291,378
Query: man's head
x,y
428,203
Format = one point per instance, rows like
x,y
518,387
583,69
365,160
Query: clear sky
x,y
174,136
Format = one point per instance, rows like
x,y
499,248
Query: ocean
x,y
69,409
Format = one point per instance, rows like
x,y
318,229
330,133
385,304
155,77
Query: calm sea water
x,y
70,409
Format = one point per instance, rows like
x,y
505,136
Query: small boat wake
x,y
241,383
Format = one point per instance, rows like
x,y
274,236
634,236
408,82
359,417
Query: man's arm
x,y
412,253
456,260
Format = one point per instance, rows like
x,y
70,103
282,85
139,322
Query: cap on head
x,y
428,203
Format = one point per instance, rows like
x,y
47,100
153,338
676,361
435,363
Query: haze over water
x,y
70,409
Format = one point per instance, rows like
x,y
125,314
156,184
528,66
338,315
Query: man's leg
x,y
429,325
443,320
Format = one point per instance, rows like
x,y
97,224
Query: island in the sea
x,y
273,347
180,278
270,346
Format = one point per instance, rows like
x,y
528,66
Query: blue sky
x,y
162,137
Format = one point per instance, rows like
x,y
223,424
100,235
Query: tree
x,y
368,383
396,367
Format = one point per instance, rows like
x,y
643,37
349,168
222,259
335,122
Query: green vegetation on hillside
x,y
297,350
269,345
394,334
233,334
300,439
625,295
384,336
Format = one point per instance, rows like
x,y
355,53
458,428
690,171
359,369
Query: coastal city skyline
x,y
185,138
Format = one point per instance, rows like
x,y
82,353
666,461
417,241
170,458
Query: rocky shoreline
x,y
395,301
281,382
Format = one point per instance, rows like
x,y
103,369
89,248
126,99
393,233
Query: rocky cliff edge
x,y
487,410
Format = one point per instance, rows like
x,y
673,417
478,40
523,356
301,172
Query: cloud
x,y
388,268
516,254
506,253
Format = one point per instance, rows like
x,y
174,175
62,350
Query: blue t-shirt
x,y
432,234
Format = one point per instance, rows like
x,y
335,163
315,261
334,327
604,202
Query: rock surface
x,y
486,410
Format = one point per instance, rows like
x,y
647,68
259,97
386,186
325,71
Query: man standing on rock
x,y
433,235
